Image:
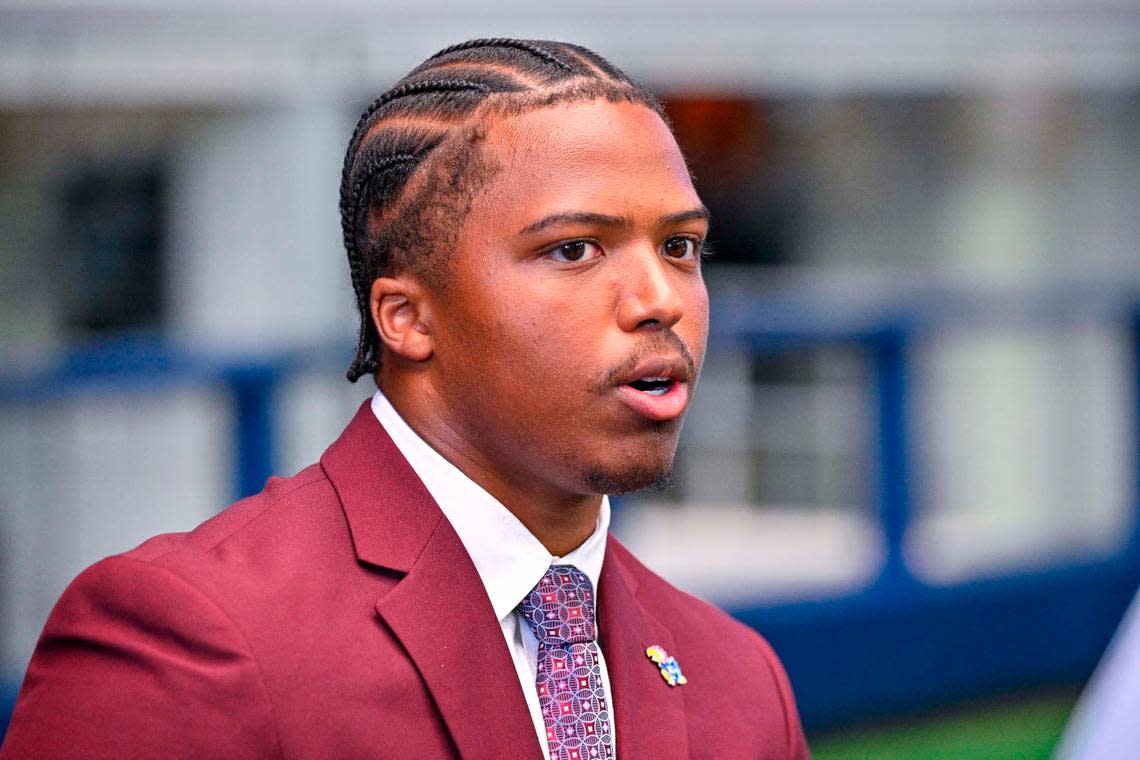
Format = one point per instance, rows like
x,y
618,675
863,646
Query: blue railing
x,y
896,645
901,645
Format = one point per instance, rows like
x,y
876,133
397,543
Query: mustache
x,y
664,342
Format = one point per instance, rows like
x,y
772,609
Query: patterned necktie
x,y
575,707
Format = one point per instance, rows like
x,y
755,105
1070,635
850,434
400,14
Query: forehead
x,y
590,155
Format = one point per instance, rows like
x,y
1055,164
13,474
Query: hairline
x,y
466,145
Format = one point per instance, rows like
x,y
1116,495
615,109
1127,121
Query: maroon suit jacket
x,y
337,615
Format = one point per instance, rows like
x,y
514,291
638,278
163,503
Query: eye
x,y
575,251
680,247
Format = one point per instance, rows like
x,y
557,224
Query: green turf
x,y
1026,729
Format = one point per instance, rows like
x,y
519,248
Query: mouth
x,y
654,386
657,389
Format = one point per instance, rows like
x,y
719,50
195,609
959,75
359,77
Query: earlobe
x,y
400,314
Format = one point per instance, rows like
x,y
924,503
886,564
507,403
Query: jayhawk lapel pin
x,y
670,668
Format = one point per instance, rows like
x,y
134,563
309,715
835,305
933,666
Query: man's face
x,y
568,337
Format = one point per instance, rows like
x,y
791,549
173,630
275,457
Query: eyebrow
x,y
699,212
608,220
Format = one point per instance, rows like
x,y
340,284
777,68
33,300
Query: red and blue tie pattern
x,y
575,707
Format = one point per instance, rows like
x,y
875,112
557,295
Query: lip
x,y
672,367
668,405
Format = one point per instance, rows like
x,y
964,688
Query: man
x,y
525,248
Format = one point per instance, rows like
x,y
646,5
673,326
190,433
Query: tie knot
x,y
560,608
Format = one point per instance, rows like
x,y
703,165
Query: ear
x,y
401,313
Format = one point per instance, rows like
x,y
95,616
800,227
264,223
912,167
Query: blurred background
x,y
913,458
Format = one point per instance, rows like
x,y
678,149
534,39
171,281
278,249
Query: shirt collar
x,y
509,559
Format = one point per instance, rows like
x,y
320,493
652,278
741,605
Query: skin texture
x,y
513,370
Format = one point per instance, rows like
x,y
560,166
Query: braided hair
x,y
413,165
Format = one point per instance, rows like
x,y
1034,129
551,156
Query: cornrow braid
x,y
374,166
402,91
413,164
535,49
407,90
602,64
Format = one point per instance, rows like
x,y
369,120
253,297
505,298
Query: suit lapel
x,y
442,616
650,714
439,611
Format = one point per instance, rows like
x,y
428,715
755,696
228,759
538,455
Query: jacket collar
x,y
441,614
439,611
509,558
390,514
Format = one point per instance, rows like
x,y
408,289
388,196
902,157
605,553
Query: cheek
x,y
703,314
502,346
544,323
694,327
546,342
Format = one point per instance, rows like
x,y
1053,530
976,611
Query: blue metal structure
x,y
895,646
901,645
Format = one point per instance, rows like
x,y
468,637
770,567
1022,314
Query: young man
x,y
525,245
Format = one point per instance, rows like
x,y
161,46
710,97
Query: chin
x,y
629,475
627,480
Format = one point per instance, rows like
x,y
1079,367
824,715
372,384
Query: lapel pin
x,y
670,668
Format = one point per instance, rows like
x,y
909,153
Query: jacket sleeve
x,y
135,662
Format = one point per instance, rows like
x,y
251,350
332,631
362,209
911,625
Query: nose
x,y
647,297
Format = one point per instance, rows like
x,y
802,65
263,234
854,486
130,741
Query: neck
x,y
561,520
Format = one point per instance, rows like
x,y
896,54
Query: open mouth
x,y
656,397
654,386
657,388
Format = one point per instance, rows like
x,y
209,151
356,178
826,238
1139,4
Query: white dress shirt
x,y
509,559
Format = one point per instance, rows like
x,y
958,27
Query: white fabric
x,y
509,559
1106,722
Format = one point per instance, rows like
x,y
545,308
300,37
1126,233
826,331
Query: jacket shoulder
x,y
175,625
126,634
243,520
730,654
678,608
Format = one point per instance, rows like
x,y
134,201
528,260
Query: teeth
x,y
654,385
